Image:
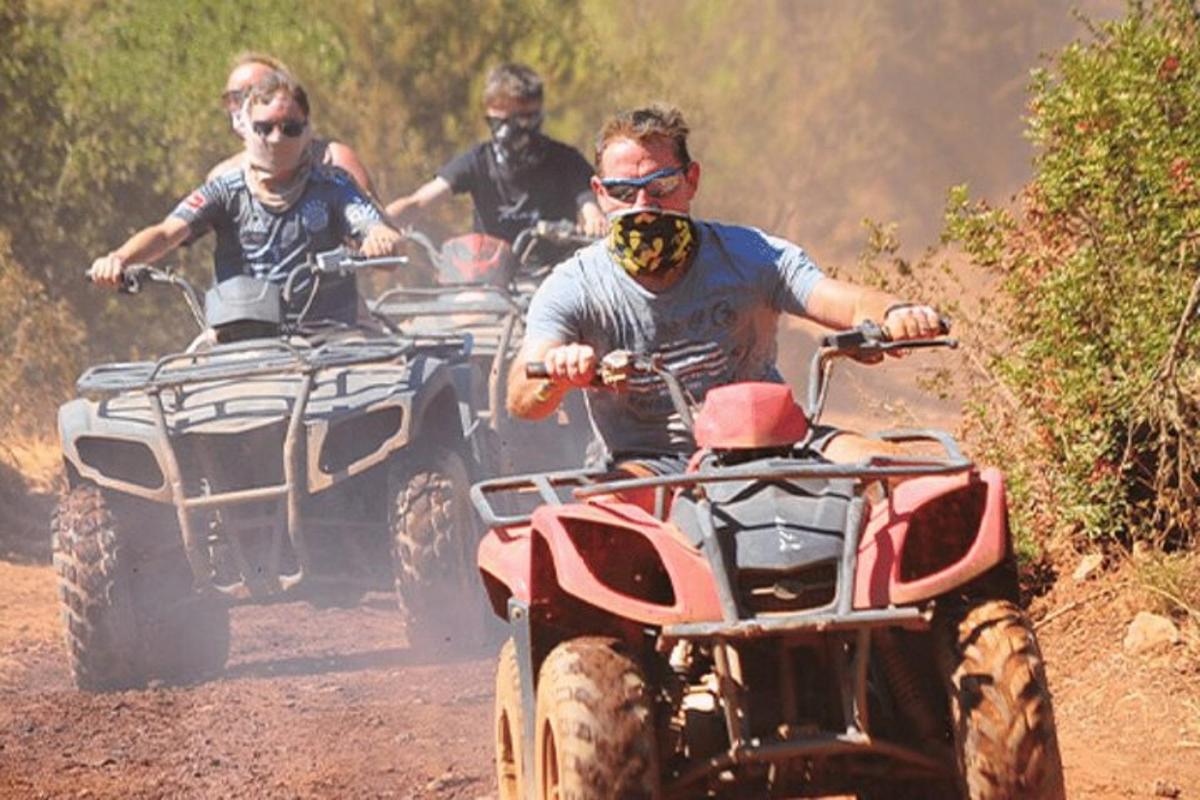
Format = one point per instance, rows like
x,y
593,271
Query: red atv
x,y
768,624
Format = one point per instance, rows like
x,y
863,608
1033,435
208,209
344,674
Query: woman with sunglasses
x,y
273,211
705,295
248,69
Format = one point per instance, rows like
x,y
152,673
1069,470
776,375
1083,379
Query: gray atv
x,y
274,458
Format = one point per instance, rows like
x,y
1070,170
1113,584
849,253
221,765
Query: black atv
x,y
483,289
274,458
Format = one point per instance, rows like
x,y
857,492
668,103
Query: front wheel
x,y
128,606
434,540
1004,733
595,724
509,726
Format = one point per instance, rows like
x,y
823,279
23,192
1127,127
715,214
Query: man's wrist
x,y
898,306
545,391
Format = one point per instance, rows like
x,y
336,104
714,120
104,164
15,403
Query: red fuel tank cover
x,y
750,415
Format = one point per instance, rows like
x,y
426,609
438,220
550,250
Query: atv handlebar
x,y
617,366
135,276
867,343
563,232
343,262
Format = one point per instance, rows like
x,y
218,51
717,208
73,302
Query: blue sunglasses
x,y
659,183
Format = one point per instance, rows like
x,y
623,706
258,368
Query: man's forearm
x,y
533,398
147,245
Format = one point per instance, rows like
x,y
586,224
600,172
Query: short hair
x,y
655,121
264,91
512,81
252,57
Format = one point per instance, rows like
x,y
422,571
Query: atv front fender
x,y
932,535
611,555
505,564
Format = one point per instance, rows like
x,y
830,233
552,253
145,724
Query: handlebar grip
x,y
536,369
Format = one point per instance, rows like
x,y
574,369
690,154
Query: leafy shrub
x,y
1099,286
41,348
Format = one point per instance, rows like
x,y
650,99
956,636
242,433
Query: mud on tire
x,y
434,538
509,727
595,724
1003,723
129,612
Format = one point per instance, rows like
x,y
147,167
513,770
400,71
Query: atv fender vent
x,y
121,460
623,560
352,439
942,532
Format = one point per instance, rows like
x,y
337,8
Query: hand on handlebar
x,y
908,322
381,240
107,271
573,364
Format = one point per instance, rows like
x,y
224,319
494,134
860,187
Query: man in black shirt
x,y
517,177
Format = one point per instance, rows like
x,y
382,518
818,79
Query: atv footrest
x,y
804,747
225,499
907,617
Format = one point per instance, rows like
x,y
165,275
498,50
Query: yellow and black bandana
x,y
646,240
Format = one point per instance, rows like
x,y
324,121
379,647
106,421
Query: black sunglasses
x,y
527,121
290,128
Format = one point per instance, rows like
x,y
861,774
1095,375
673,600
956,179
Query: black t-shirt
x,y
505,204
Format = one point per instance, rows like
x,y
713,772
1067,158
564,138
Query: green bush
x,y
41,350
1099,287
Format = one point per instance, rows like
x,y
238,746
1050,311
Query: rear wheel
x,y
1004,733
434,539
509,726
595,724
128,607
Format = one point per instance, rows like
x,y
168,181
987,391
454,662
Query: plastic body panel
x,y
878,582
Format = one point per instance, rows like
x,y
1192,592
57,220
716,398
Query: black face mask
x,y
516,140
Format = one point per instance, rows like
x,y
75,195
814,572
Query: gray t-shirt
x,y
715,326
253,240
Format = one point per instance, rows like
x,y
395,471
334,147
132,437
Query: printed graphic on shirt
x,y
195,201
697,365
315,215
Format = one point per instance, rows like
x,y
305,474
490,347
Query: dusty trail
x,y
315,703
323,703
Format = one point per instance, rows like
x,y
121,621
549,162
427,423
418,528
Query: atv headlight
x,y
121,460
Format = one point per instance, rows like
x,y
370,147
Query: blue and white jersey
x,y
253,240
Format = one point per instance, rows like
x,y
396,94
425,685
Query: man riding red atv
x,y
768,623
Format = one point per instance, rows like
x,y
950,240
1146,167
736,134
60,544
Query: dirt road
x,y
316,703
324,703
